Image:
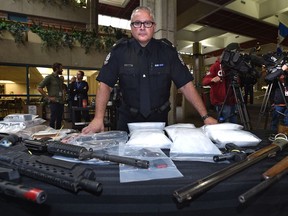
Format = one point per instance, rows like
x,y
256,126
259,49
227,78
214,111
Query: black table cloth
x,y
155,197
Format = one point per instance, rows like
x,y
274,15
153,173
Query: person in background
x,y
145,68
65,89
219,81
70,95
279,98
79,96
54,85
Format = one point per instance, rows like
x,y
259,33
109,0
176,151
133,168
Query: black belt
x,y
157,109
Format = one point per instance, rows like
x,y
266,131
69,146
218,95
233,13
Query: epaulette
x,y
167,42
120,42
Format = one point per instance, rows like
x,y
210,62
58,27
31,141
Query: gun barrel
x,y
124,160
16,190
271,176
82,154
190,191
259,188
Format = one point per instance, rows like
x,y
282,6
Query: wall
x,y
32,52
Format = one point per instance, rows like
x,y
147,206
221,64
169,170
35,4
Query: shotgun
x,y
188,192
271,176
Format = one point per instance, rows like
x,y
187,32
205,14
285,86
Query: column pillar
x,y
93,11
198,71
165,18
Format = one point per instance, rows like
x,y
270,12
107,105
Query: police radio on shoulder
x,y
204,117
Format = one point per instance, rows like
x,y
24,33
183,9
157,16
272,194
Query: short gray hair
x,y
144,8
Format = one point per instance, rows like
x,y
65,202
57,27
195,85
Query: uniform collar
x,y
148,48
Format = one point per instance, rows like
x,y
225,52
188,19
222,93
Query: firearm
x,y
67,175
10,187
188,192
20,191
80,152
233,152
271,176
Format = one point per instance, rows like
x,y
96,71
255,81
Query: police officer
x,y
145,68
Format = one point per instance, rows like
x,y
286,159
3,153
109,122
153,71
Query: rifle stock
x,y
271,176
276,169
190,191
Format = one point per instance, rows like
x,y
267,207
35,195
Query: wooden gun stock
x,y
271,176
280,167
190,191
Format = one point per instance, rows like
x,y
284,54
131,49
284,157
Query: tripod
x,y
263,110
240,104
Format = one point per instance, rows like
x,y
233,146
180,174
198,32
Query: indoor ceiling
x,y
216,23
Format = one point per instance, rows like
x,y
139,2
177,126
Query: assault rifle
x,y
9,186
271,176
80,152
27,193
67,175
190,191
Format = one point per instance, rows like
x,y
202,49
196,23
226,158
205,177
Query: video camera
x,y
242,64
245,63
274,67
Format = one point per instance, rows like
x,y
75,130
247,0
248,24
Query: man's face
x,y
79,76
142,34
60,70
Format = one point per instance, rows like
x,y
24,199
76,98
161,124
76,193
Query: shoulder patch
x,y
181,60
107,58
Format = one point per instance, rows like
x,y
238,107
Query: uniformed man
x,y
55,97
145,68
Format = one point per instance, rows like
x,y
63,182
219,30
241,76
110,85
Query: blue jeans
x,y
228,113
57,111
277,117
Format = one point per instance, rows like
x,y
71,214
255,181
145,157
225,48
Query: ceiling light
x,y
6,82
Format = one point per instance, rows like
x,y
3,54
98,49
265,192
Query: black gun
x,y
9,186
233,152
67,175
27,193
68,150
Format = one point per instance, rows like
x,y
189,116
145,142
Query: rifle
x,y
80,152
188,192
17,190
67,175
9,187
271,176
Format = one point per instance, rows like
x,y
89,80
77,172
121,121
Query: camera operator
x,y
279,109
219,88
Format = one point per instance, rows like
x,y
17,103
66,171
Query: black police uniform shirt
x,y
164,65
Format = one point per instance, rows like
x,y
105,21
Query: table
x,y
151,198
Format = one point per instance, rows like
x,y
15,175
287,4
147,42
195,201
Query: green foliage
x,y
57,38
50,36
17,30
60,3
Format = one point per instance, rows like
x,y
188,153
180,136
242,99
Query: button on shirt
x,y
164,66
